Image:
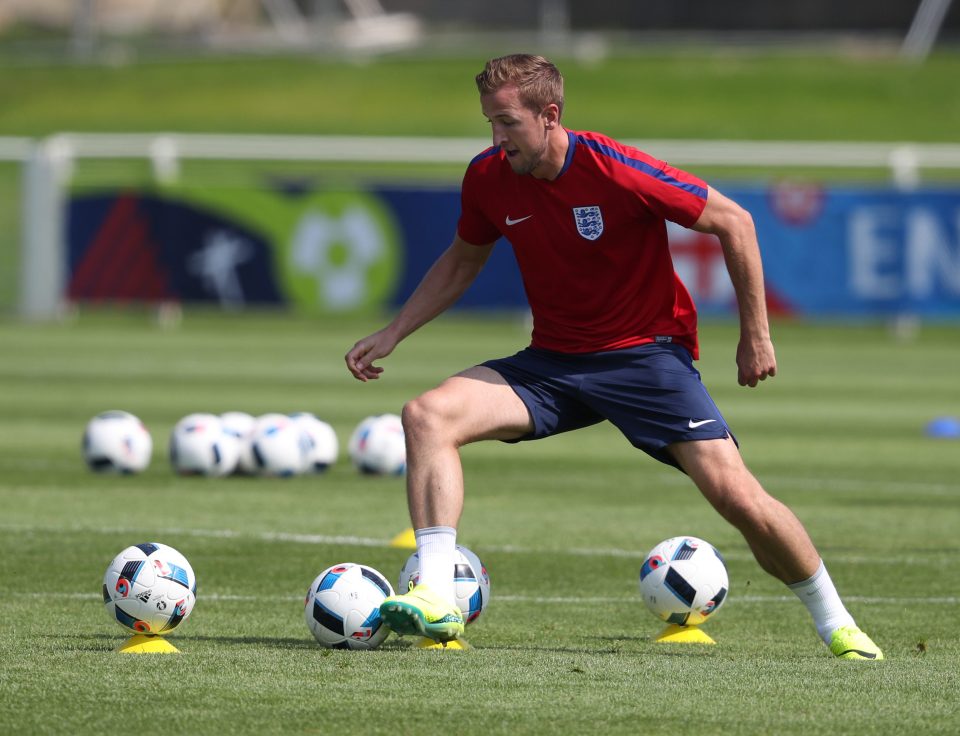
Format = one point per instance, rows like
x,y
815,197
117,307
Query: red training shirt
x,y
591,244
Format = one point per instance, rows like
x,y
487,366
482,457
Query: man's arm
x,y
733,226
443,284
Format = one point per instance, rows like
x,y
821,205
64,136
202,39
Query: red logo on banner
x,y
797,203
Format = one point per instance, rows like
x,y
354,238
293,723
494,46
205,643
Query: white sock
x,y
436,546
822,600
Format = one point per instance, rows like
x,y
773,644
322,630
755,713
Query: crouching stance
x,y
614,339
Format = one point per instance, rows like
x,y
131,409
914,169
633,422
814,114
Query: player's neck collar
x,y
571,146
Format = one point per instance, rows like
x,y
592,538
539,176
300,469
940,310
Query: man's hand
x,y
755,361
360,357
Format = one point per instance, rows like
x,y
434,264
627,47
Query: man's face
x,y
519,131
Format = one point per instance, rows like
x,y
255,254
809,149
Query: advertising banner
x,y
828,252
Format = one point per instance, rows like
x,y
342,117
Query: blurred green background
x,y
686,94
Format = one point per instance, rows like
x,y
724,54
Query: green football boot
x,y
424,613
848,642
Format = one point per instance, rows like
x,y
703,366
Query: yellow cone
x,y
675,634
405,540
456,645
143,644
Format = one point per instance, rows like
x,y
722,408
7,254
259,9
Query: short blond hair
x,y
538,81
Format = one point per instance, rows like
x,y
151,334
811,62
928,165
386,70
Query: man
x,y
614,337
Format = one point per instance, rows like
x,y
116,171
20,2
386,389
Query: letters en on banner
x,y
828,252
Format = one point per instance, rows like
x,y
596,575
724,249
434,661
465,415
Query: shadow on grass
x,y
86,643
109,642
274,642
606,645
686,651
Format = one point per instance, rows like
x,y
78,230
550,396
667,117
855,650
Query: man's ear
x,y
551,116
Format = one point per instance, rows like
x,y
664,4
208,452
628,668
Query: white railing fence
x,y
48,166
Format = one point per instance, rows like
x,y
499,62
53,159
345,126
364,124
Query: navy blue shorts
x,y
651,393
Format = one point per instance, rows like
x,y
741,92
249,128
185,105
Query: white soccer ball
x,y
377,446
116,442
342,607
247,464
278,446
149,588
240,425
199,446
684,580
320,440
471,582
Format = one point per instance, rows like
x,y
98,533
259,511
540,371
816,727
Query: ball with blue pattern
x,y
377,446
684,581
471,581
117,442
149,588
342,607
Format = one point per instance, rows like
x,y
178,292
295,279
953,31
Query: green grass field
x,y
565,646
692,93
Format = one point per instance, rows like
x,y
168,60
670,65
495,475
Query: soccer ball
x,y
278,446
199,446
320,440
684,580
240,425
245,425
342,607
471,583
377,446
149,588
116,442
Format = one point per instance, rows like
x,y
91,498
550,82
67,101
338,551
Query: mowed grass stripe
x,y
551,600
872,559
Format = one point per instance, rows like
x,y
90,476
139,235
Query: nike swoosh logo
x,y
514,222
693,425
865,655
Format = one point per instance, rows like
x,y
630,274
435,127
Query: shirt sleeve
x,y
669,192
474,226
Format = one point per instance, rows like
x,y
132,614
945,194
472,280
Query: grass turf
x,y
565,645
693,93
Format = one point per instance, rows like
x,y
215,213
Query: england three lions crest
x,y
589,221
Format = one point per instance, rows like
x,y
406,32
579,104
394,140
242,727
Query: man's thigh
x,y
486,406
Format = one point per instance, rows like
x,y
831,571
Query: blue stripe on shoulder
x,y
486,154
643,166
570,148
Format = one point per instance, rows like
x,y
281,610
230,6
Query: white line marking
x,y
924,556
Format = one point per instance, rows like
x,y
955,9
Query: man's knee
x,y
428,413
736,507
734,492
743,502
471,406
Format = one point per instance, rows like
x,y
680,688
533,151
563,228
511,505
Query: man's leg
x,y
777,538
474,405
775,535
